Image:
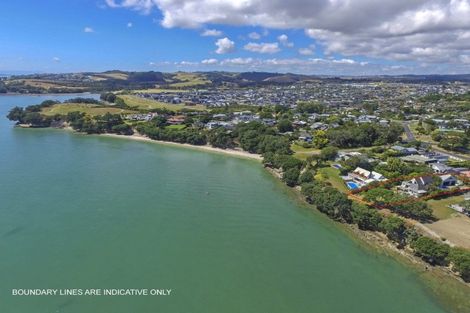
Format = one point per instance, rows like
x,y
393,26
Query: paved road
x,y
409,134
411,137
451,155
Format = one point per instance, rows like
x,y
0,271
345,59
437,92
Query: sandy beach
x,y
232,152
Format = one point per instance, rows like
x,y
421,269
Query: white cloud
x,y
263,47
56,59
430,31
344,61
190,63
284,40
88,30
210,61
305,51
212,32
465,59
254,36
224,45
145,6
306,66
237,61
129,25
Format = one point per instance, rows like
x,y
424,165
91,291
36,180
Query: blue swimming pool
x,y
352,185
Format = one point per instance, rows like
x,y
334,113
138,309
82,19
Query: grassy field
x,y
158,90
332,175
418,136
441,208
189,79
39,83
91,109
303,153
105,76
147,104
176,127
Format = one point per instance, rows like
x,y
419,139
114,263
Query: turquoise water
x,y
90,212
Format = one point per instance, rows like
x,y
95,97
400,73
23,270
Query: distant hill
x,y
119,80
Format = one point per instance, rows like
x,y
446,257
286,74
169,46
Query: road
x,y
409,134
411,137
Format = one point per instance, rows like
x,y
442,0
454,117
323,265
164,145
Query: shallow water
x,y
90,212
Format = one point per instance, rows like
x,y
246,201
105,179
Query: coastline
x,y
445,287
450,291
207,148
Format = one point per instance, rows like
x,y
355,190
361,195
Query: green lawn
x,y
441,208
332,175
303,153
91,109
176,127
147,104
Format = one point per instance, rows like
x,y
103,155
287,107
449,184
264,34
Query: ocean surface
x,y
82,212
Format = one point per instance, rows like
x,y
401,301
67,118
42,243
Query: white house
x,y
364,177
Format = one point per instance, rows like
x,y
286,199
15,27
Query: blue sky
x,y
312,37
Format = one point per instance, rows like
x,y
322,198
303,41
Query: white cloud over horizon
x,y
264,47
425,31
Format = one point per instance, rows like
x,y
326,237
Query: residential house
x,y
440,168
364,177
305,137
420,159
420,186
404,150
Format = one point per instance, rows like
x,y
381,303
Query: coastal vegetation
x,y
379,208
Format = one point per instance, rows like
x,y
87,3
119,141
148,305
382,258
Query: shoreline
x,y
207,148
449,290
443,285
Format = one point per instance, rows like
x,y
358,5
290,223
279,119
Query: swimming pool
x,y
352,185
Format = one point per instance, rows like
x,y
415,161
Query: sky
x,y
329,37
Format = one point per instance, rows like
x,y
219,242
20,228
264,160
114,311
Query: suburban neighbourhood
x,y
383,150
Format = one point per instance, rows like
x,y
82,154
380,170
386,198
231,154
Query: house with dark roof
x,y
419,186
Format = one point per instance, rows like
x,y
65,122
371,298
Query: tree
x,y
320,139
430,250
160,121
119,102
379,195
328,153
394,227
329,200
417,210
275,144
219,138
284,126
460,259
310,107
16,114
306,177
365,217
109,97
370,107
122,129
291,177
